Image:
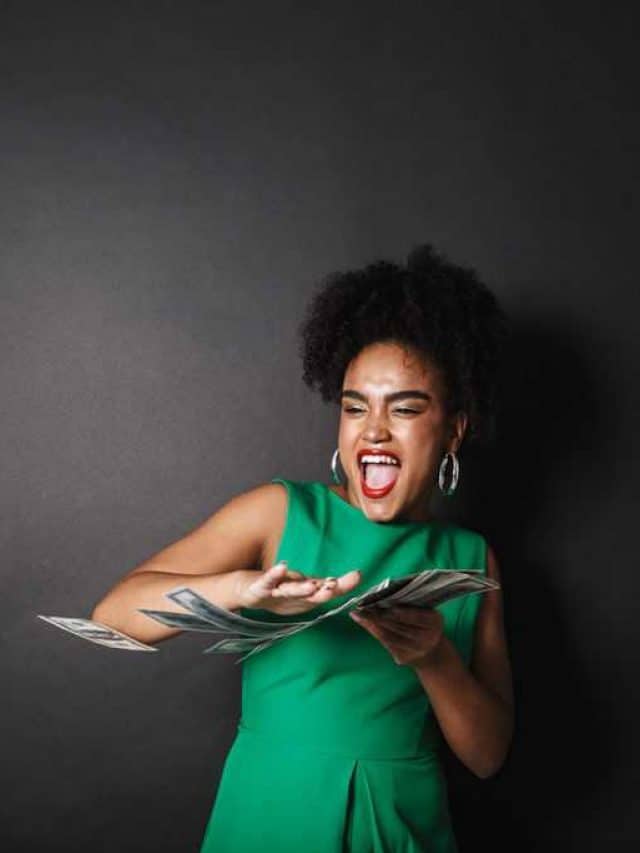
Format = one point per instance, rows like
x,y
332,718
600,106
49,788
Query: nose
x,y
376,429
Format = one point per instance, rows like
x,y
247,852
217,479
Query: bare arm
x,y
475,708
226,560
214,559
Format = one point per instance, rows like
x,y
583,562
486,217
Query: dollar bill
x,y
183,621
422,589
97,633
428,588
234,644
227,619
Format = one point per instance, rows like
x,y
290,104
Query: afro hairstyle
x,y
431,305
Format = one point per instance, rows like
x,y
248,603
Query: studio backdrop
x,y
176,178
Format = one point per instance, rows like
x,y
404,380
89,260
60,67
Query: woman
x,y
337,746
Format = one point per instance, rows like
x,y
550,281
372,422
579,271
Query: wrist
x,y
438,657
241,579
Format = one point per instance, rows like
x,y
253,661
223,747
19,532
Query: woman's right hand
x,y
287,592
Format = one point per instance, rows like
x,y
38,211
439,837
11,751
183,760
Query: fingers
x,y
349,580
293,575
325,590
387,634
297,589
403,614
281,582
332,587
408,615
285,575
401,648
272,577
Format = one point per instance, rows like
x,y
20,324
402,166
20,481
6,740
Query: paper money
x,y
251,636
183,621
430,588
234,644
226,619
421,589
97,633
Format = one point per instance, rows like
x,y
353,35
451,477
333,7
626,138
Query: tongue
x,y
378,475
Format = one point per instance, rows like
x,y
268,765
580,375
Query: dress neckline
x,y
380,525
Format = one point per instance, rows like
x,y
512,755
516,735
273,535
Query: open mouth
x,y
378,472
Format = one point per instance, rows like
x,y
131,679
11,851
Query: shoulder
x,y
252,521
233,537
265,509
248,517
260,506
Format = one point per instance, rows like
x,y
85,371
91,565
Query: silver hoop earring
x,y
455,474
334,468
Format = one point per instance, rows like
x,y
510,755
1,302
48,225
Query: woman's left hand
x,y
412,635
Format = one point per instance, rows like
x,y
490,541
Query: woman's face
x,y
393,408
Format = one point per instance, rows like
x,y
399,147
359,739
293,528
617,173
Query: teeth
x,y
378,459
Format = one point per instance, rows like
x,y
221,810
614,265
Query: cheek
x,y
424,449
346,436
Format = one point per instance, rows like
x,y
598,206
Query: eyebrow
x,y
389,398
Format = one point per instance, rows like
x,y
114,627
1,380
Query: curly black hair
x,y
432,305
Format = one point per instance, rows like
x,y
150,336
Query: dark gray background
x,y
176,177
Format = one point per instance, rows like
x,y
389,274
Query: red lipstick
x,y
369,491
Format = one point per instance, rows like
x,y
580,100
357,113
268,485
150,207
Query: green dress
x,y
337,745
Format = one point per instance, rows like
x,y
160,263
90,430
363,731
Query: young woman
x,y
337,745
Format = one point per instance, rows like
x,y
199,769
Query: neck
x,y
418,513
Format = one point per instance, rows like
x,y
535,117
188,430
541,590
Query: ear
x,y
457,429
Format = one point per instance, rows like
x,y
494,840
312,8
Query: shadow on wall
x,y
531,495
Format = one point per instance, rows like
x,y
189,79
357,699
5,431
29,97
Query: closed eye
x,y
403,410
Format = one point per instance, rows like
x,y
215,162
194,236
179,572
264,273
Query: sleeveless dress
x,y
337,745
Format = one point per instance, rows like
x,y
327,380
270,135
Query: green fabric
x,y
336,748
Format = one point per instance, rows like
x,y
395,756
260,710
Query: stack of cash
x,y
243,634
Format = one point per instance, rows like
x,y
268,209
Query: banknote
x,y
250,644
227,619
97,633
421,589
191,622
183,621
234,644
248,636
430,588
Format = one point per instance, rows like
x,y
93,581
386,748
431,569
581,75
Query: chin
x,y
378,512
